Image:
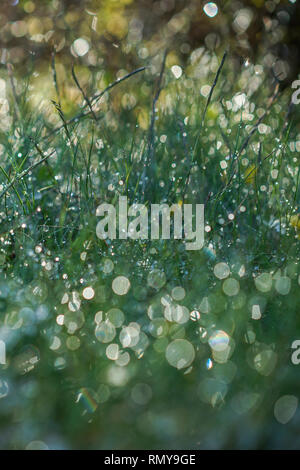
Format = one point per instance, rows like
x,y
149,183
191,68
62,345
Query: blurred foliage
x,y
124,34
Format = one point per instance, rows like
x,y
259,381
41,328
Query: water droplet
x,y
221,270
180,353
121,285
210,9
219,340
285,408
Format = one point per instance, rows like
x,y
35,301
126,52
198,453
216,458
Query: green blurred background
x,y
113,35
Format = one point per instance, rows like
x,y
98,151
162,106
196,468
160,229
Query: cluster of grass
x,y
88,367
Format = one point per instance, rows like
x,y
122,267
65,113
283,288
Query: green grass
x,y
169,144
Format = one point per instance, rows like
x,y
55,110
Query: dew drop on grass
x,y
123,359
141,345
212,391
256,313
221,270
112,351
231,287
73,343
107,266
55,343
158,327
73,321
178,314
195,315
177,71
60,319
264,362
285,408
117,376
180,353
105,332
98,317
178,293
250,337
166,300
129,336
221,357
65,299
263,282
210,9
204,306
116,317
88,293
4,389
156,279
80,47
121,285
75,302
87,399
283,285
219,341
